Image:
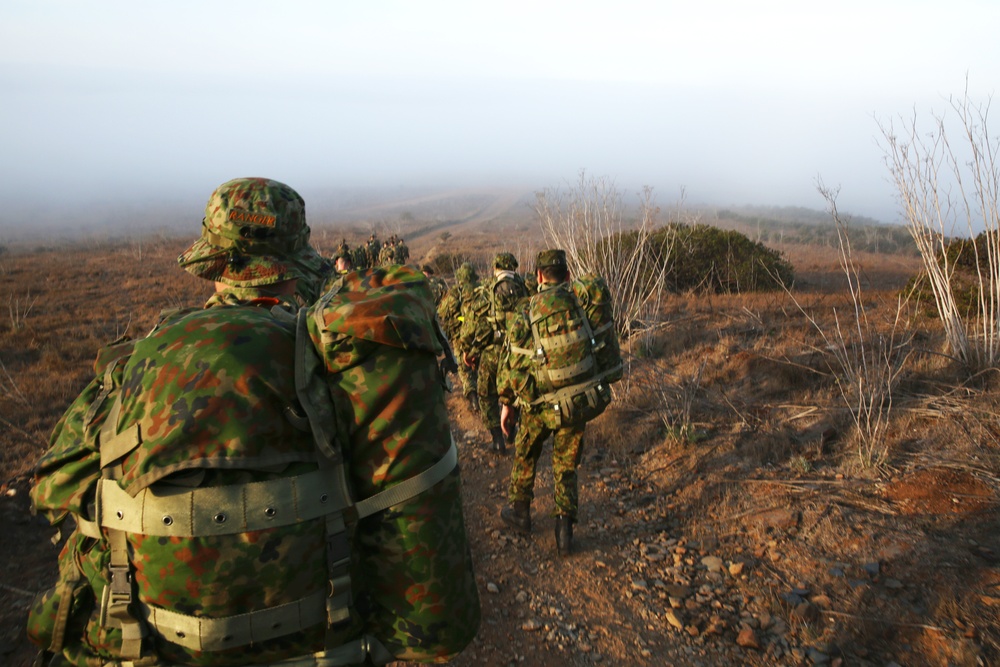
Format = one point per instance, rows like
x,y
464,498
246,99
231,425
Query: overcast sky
x,y
737,102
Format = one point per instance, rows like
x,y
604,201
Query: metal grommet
x,y
323,498
220,517
168,520
120,515
180,634
270,512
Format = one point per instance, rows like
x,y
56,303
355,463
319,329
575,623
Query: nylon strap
x,y
568,372
200,633
219,510
115,444
578,335
411,487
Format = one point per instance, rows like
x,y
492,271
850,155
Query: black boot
x,y
473,400
564,535
499,444
518,516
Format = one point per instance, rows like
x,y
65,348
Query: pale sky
x,y
736,102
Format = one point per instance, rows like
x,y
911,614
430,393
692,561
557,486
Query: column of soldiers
x,y
373,253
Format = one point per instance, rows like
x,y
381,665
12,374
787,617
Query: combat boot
x,y
564,535
518,516
473,399
499,444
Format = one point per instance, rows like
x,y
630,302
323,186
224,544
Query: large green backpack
x,y
226,515
572,386
592,292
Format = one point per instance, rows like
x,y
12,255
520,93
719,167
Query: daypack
x,y
571,385
230,512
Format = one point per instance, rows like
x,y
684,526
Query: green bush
x,y
708,259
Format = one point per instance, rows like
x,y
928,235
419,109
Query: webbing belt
x,y
219,510
200,633
355,652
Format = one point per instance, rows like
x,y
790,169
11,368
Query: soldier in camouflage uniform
x,y
517,384
450,316
483,335
402,252
372,249
438,286
216,390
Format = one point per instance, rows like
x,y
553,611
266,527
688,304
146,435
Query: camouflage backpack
x,y
571,385
506,291
594,296
228,512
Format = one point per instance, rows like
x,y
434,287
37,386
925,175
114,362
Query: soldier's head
x,y
551,266
343,261
254,234
466,274
504,261
427,269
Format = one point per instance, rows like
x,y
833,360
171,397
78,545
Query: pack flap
x,y
387,305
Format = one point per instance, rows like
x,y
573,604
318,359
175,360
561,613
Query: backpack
x,y
571,387
230,512
504,294
594,296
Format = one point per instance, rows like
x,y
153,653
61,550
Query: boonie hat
x,y
550,258
505,261
254,233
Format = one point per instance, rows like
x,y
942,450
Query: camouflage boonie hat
x,y
505,261
550,258
254,233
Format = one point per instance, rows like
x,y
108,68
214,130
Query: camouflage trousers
x,y
567,446
486,385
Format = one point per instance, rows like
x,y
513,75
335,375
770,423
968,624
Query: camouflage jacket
x,y
451,308
377,361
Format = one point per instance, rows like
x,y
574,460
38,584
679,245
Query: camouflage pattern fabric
x,y
567,447
486,318
254,233
450,315
594,297
381,354
211,390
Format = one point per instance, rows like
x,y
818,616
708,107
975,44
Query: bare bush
x,y
868,356
19,309
590,223
947,188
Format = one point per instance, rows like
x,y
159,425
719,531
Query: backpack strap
x,y
314,397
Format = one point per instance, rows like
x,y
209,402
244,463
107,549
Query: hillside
x,y
726,517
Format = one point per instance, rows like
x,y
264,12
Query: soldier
x,y
359,257
450,316
438,285
483,336
402,252
550,370
373,248
343,261
226,473
387,254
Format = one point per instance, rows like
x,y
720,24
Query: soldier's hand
x,y
469,359
508,420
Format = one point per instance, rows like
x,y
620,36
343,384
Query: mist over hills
x,y
404,210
